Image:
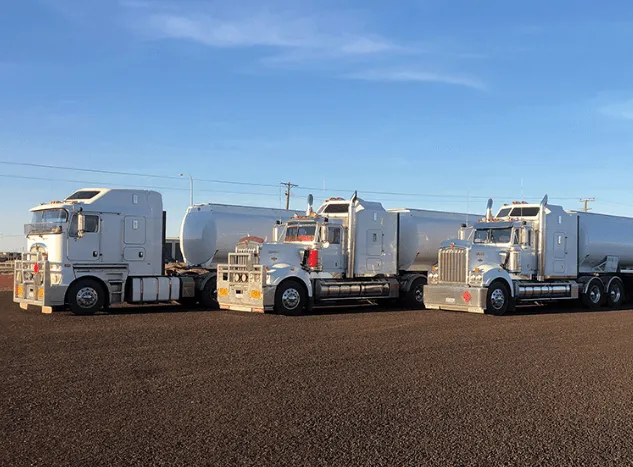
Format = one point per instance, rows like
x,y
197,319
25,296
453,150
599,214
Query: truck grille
x,y
452,265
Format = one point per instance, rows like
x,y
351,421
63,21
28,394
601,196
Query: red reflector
x,y
36,268
313,258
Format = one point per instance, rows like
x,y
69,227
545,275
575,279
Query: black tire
x,y
290,298
208,297
498,299
414,297
615,293
594,297
86,297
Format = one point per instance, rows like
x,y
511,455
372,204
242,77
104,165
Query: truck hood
x,y
282,255
487,257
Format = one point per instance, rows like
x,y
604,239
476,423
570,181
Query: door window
x,y
334,235
92,225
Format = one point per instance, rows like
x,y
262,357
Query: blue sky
x,y
445,101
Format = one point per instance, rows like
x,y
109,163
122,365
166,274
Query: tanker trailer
x,y
349,250
531,253
101,247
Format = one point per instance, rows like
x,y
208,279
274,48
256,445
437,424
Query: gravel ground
x,y
162,386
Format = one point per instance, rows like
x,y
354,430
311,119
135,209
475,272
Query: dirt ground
x,y
165,386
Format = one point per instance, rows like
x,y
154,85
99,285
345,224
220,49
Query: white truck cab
x,y
533,253
81,250
349,249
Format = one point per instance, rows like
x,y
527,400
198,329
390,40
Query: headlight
x,y
433,277
475,278
56,279
55,267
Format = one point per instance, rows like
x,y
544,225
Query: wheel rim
x,y
419,294
497,299
87,297
615,293
595,294
290,299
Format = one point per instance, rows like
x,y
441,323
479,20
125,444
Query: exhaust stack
x,y
489,210
310,211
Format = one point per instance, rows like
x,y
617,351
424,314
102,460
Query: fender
x,y
497,273
277,275
585,284
407,280
611,281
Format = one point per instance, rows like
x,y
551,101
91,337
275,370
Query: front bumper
x,y
250,297
455,297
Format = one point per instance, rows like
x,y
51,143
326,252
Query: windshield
x,y
493,235
47,221
296,233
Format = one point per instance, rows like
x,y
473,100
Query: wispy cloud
x,y
619,110
419,76
289,37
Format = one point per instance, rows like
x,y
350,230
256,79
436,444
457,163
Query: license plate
x,y
222,292
256,294
450,300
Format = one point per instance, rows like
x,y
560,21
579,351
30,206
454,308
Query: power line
x,y
153,187
266,185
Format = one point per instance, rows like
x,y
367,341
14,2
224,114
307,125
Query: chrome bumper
x,y
455,297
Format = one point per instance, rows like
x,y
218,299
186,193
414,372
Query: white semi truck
x,y
348,250
101,247
533,253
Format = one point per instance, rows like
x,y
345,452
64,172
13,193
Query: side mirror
x,y
81,225
524,236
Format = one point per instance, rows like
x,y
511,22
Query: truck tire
x,y
414,297
615,293
86,297
208,297
290,298
498,299
594,297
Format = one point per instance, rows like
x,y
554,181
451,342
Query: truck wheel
x,y
86,297
414,297
594,296
208,297
290,298
615,293
498,299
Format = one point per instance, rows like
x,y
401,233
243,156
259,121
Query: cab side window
x,y
334,235
92,225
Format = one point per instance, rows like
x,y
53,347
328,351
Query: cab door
x,y
332,258
88,246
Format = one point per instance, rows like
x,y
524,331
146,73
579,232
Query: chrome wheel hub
x,y
616,294
419,294
594,294
87,297
497,299
290,299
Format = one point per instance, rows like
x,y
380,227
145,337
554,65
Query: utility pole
x,y
585,201
289,186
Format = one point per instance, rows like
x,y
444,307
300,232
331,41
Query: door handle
x,y
95,254
140,254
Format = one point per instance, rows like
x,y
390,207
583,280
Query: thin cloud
x,y
417,76
619,110
285,38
